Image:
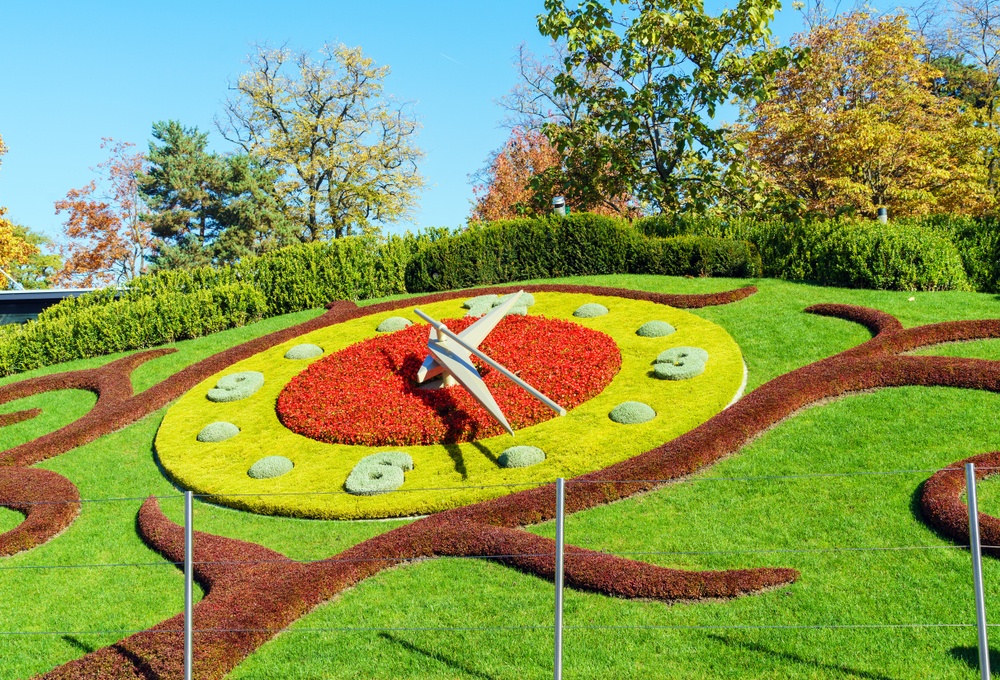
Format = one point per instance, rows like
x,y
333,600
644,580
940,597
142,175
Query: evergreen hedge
x,y
849,253
937,253
517,250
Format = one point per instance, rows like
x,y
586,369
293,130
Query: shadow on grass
x,y
76,642
970,655
437,656
795,658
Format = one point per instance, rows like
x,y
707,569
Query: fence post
x,y
560,517
977,571
188,577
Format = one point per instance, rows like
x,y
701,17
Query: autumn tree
x,y
672,65
204,207
15,249
858,127
523,175
108,239
344,150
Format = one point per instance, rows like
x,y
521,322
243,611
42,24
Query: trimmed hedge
x,y
176,305
516,250
127,324
852,254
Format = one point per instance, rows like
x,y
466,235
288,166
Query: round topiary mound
x,y
632,413
378,473
655,329
393,324
526,300
271,466
590,310
306,351
521,456
236,386
680,363
217,432
481,301
674,354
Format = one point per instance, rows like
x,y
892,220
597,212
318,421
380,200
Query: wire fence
x,y
561,552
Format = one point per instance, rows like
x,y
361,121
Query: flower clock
x,y
371,410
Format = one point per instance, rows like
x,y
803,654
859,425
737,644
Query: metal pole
x,y
188,577
977,571
560,519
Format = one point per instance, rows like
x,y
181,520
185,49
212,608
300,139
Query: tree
x,y
343,150
15,249
520,179
41,266
206,208
109,241
859,127
671,66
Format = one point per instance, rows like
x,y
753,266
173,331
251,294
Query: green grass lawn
x,y
711,522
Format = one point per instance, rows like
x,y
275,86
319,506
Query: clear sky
x,y
74,72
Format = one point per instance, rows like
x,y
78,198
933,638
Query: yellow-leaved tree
x,y
14,250
858,127
344,150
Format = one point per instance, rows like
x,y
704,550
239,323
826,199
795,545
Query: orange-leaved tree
x,y
858,127
109,240
520,179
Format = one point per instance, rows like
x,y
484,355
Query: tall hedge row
x,y
929,254
517,250
853,254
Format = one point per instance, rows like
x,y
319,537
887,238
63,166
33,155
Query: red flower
x,y
368,394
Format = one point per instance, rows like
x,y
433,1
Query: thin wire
x,y
416,558
683,480
676,480
172,631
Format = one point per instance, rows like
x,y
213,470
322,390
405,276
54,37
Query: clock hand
x,y
468,377
448,333
473,335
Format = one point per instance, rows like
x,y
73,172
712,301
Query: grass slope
x,y
908,428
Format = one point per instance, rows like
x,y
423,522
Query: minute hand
x,y
442,329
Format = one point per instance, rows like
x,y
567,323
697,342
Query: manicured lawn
x,y
800,520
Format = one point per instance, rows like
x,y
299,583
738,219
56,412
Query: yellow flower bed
x,y
446,476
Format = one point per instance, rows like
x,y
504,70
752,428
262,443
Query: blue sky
x,y
76,72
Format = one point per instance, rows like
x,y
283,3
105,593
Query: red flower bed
x,y
331,401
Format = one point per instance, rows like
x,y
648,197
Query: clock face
x,y
294,430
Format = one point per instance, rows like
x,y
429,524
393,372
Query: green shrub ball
x,y
521,456
378,473
632,413
217,432
392,324
590,310
526,300
675,354
236,386
481,301
271,466
655,329
306,351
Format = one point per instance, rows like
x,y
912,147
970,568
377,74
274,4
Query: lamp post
x,y
559,205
